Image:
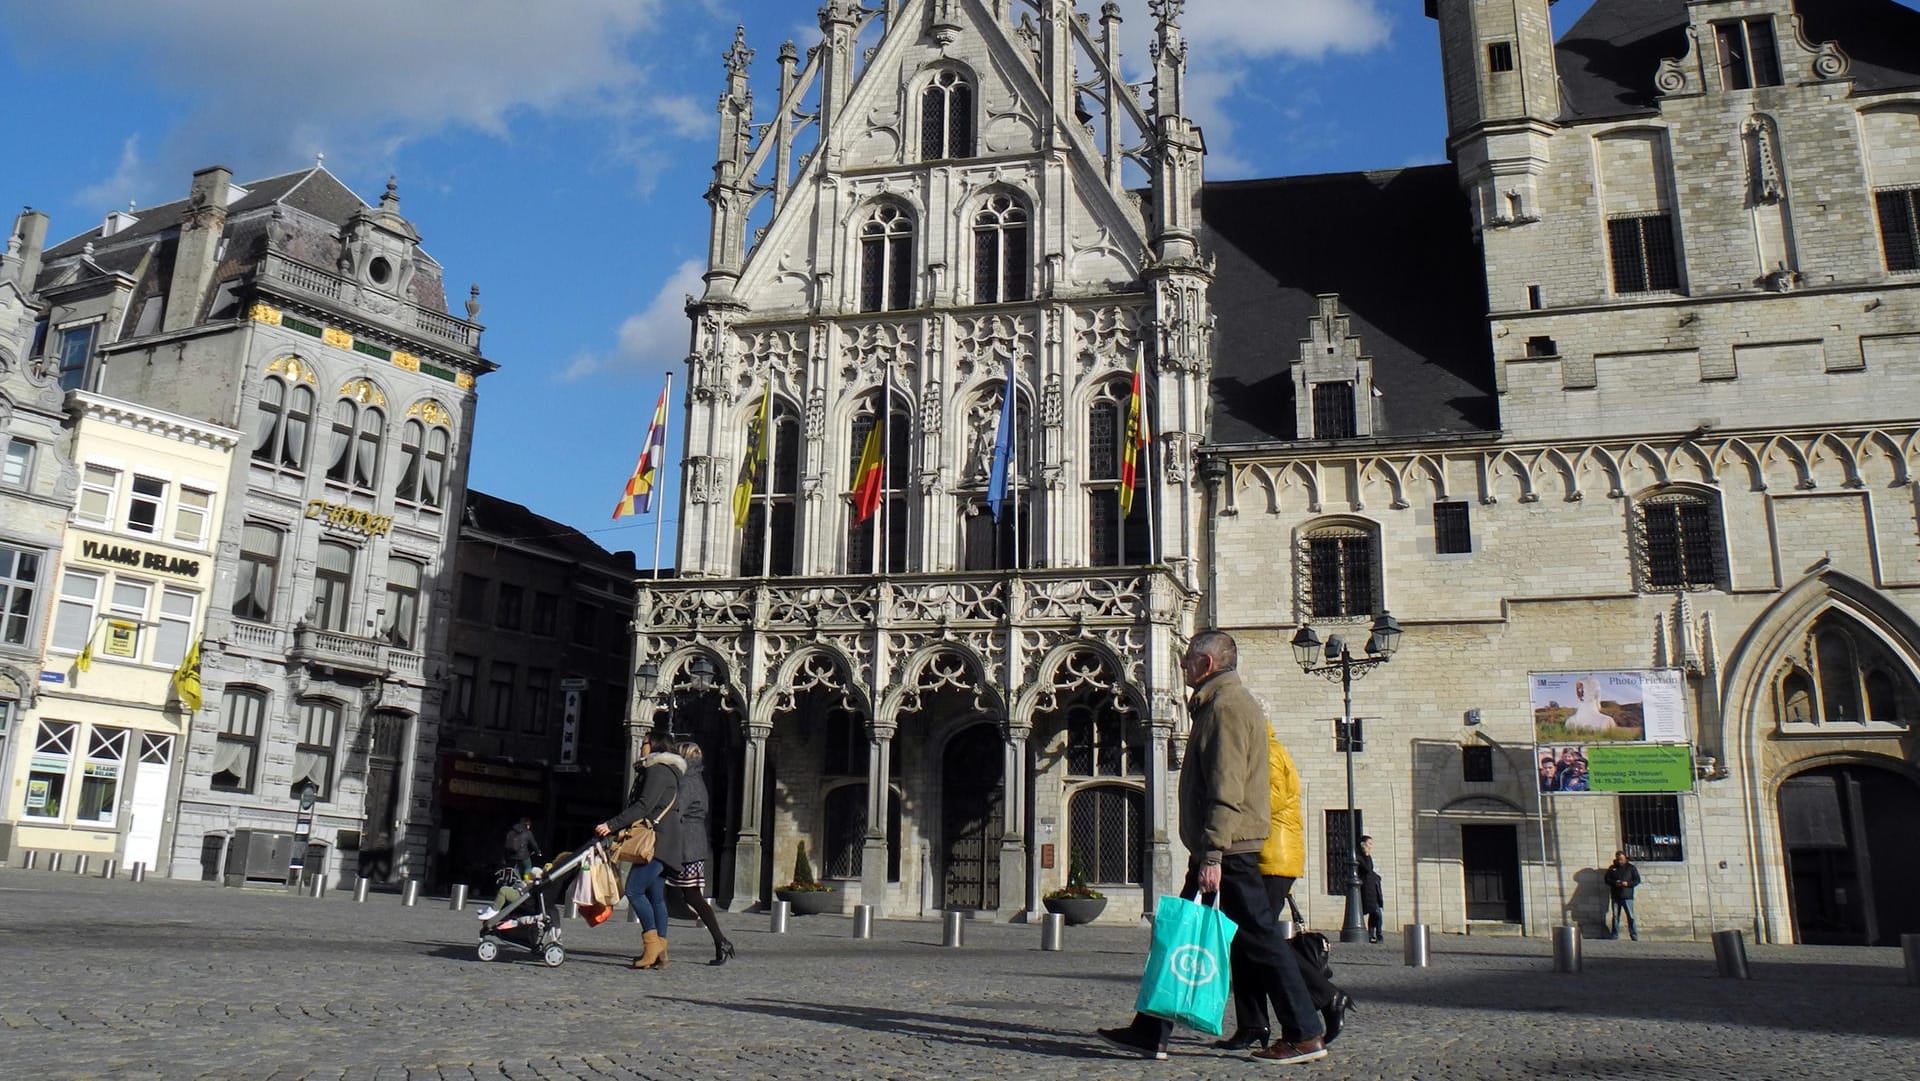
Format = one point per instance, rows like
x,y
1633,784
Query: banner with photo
x,y
1586,707
1615,768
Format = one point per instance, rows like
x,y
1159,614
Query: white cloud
x,y
124,185
259,83
655,338
689,118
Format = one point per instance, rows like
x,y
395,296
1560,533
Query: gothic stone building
x,y
294,312
1627,385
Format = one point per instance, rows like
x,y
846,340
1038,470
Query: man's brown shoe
x,y
1286,1051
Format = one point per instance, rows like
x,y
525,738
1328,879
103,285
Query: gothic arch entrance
x,y
972,795
1851,873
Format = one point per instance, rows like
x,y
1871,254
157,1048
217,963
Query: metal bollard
x,y
1053,932
1910,947
80,863
458,900
109,869
360,887
953,932
317,886
410,892
140,872
1414,952
31,862
777,924
863,921
1566,948
1730,955
57,862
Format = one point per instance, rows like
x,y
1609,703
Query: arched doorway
x,y
1847,831
972,797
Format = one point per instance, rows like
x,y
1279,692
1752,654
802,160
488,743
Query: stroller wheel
x,y
487,950
553,955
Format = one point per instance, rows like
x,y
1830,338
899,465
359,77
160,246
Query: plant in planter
x,y
806,895
1076,900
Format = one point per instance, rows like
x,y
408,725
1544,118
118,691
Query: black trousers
x,y
1249,1004
1261,959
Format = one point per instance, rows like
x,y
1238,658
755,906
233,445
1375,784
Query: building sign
x,y
349,518
1608,707
1614,768
469,781
37,790
122,638
126,555
570,720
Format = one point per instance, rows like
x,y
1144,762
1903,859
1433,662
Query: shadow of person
x,y
946,1028
1587,904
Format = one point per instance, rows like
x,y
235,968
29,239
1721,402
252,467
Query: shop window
x,y
1000,260
149,495
19,583
48,768
1650,828
403,602
886,260
1679,542
1120,530
946,118
332,586
1452,528
1107,834
100,774
1339,838
1341,572
1749,56
17,471
191,511
253,586
1644,257
1899,212
98,486
313,754
236,749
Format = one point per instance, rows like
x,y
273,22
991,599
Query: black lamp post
x,y
1340,664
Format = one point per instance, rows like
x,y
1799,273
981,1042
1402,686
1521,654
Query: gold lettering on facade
x,y
350,518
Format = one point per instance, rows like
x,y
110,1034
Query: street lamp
x,y
1340,664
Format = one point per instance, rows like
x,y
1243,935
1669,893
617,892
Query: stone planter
x,y
810,902
1077,910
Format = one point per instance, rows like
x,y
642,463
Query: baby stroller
x,y
531,922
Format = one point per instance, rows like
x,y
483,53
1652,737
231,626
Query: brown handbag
x,y
635,843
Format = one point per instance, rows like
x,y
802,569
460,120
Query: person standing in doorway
x,y
1225,815
523,850
1621,878
1373,899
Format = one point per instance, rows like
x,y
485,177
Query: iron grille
x,y
1476,764
1679,542
1643,254
1337,848
1452,528
1340,573
1650,828
1333,411
846,815
1900,227
1108,833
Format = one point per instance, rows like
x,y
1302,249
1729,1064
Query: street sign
x,y
573,683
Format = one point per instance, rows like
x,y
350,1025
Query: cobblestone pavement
x,y
173,980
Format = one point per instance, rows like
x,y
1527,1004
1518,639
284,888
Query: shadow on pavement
x,y
998,1034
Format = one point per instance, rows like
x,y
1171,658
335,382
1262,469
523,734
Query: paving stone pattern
x,y
170,980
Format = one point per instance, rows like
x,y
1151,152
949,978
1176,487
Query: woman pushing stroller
x,y
664,785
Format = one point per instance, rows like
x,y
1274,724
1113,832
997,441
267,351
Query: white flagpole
x,y
660,476
883,522
1014,464
1147,419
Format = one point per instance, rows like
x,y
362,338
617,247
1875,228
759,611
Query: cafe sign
x,y
350,518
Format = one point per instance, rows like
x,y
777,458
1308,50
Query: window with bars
x,y
845,815
1341,572
237,748
1476,764
1500,56
1097,744
1333,411
1749,56
768,542
1644,256
1650,828
1679,538
1107,834
886,260
1352,730
1000,250
1452,528
1899,211
313,753
946,117
1338,847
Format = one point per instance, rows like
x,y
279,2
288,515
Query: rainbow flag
x,y
645,481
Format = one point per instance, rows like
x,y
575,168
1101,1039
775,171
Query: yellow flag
x,y
186,678
84,661
756,457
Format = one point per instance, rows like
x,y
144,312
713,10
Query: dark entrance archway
x,y
1490,858
1847,831
972,794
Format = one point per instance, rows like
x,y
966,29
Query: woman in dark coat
x,y
691,883
656,798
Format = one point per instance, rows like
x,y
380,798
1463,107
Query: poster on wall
x,y
1639,706
1615,768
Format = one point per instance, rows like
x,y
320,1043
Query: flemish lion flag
x,y
1139,435
756,456
186,678
645,481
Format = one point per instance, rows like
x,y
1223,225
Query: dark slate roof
x,y
1398,248
1608,59
507,521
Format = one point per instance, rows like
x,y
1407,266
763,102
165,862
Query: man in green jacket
x,y
1224,819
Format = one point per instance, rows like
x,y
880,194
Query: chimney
x,y
201,227
22,263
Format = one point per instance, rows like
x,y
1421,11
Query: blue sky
x,y
556,154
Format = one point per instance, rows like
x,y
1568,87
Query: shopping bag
x,y
595,915
606,881
1186,978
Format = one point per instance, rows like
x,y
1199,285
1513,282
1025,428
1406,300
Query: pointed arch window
x,y
1678,542
865,552
886,260
281,424
1844,676
771,536
986,544
946,117
1116,542
1000,247
1106,827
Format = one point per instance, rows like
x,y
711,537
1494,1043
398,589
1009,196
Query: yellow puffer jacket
x,y
1285,853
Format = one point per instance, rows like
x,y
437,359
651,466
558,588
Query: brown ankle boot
x,y
653,952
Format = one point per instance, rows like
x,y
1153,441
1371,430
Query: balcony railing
x,y
326,285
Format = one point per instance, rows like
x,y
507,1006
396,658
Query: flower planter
x,y
1077,910
810,902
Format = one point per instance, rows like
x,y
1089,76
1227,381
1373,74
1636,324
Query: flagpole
x,y
1013,460
660,479
884,522
1146,429
772,446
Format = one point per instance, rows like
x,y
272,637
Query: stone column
x,y
1161,874
873,851
747,887
1019,893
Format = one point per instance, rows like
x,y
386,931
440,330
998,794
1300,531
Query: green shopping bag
x,y
1186,976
